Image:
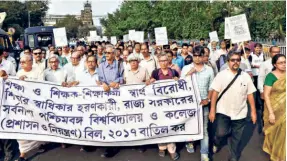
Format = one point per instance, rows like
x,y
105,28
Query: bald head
x,y
81,50
75,58
26,62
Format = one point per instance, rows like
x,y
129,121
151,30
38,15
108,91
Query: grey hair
x,y
231,53
161,55
111,46
54,56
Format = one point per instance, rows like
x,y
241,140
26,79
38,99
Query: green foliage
x,y
17,14
195,19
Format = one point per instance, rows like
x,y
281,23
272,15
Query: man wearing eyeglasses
x,y
204,76
110,76
39,63
28,73
230,111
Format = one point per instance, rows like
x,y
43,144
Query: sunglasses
x,y
235,60
39,53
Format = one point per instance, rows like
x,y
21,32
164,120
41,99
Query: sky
x,y
99,7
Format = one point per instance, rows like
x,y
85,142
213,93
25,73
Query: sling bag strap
x,y
229,85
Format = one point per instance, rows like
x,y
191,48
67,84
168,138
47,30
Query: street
x,y
252,152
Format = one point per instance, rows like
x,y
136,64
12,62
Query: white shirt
x,y
150,64
256,60
8,67
34,74
12,60
126,65
85,78
214,56
68,57
57,76
40,66
265,68
247,63
233,102
73,71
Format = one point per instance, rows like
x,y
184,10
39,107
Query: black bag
x,y
229,85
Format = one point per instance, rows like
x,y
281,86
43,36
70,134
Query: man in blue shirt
x,y
177,59
110,76
110,71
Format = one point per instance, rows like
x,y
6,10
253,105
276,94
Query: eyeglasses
x,y
281,63
91,62
52,62
235,60
24,62
109,52
39,53
196,55
163,61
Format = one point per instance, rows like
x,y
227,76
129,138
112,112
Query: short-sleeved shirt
x,y
85,78
233,102
270,79
109,73
136,77
150,64
57,76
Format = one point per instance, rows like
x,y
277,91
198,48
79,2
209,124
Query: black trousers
x,y
8,146
226,127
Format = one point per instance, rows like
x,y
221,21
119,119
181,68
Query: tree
x,y
71,24
17,14
195,19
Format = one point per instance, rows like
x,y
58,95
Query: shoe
x,y
42,148
141,149
189,147
19,159
64,146
161,153
83,149
204,157
110,152
174,156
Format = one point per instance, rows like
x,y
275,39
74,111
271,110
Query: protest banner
x,y
93,35
238,27
139,36
166,111
126,38
60,36
2,18
161,36
131,34
213,36
114,40
105,38
226,29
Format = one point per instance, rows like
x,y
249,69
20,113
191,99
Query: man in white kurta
x,y
27,72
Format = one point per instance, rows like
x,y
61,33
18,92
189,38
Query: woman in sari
x,y
275,110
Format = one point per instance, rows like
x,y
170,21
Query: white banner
x,y
161,36
114,40
105,38
60,36
139,36
226,29
238,27
2,18
213,36
126,38
93,35
167,111
131,34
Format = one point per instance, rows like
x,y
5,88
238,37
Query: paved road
x,y
252,152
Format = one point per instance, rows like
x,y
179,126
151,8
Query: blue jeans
x,y
204,143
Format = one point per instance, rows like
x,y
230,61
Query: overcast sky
x,y
99,7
